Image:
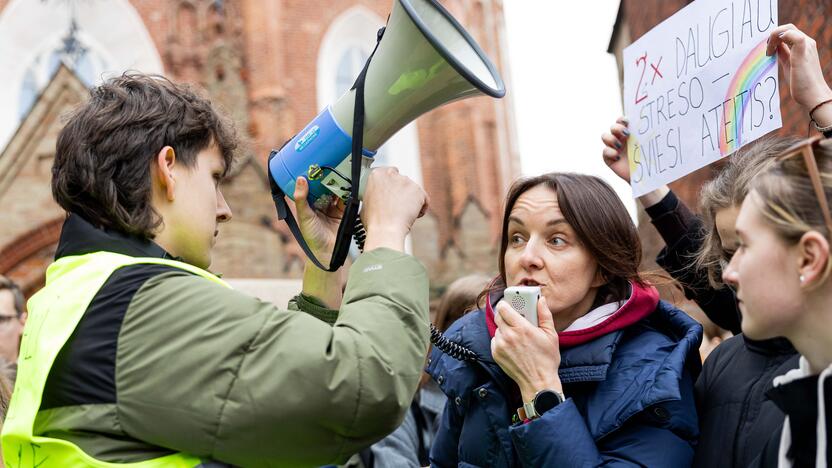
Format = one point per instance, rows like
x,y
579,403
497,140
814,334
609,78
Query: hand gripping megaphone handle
x,y
347,225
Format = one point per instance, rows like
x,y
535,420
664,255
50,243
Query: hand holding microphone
x,y
529,353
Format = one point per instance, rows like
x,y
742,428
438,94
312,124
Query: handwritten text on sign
x,y
699,86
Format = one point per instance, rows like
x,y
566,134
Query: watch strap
x,y
528,411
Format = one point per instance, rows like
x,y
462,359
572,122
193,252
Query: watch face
x,y
545,400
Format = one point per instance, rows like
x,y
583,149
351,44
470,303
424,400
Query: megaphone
x,y
424,59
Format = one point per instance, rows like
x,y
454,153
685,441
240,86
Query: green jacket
x,y
164,360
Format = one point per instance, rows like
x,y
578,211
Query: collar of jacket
x,y
803,395
770,347
80,237
588,362
641,303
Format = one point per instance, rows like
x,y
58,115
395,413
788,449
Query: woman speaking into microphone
x,y
607,373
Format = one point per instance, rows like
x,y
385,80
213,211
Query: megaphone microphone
x,y
423,59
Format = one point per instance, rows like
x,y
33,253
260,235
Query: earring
x,y
801,279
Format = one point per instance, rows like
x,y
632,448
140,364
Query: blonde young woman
x,y
781,272
736,418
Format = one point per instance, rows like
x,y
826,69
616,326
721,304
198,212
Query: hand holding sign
x,y
698,87
615,157
614,154
798,55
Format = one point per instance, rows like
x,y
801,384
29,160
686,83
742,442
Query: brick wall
x,y
257,59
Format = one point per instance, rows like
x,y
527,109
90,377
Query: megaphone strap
x,y
347,226
285,214
358,120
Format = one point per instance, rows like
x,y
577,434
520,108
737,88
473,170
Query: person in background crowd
x,y
409,445
781,272
781,269
735,416
136,353
5,396
607,375
12,320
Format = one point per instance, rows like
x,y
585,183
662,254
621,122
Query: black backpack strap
x,y
421,428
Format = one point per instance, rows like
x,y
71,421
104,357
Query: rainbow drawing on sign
x,y
753,69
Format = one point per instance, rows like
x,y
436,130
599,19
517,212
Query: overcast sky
x,y
564,85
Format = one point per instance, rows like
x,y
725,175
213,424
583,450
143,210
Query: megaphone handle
x,y
284,213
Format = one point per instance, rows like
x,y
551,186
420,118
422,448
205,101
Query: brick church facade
x,y
271,65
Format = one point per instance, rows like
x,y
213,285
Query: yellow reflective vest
x,y
55,311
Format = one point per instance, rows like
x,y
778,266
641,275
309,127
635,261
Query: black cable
x,y
451,348
359,234
346,179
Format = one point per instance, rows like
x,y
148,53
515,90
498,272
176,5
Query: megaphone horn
x,y
425,59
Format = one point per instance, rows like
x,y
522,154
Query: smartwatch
x,y
543,401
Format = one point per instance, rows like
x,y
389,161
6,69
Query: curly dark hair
x,y
105,151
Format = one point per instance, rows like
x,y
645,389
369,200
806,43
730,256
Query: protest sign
x,y
699,86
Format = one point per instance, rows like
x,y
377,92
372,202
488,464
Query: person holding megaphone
x,y
135,353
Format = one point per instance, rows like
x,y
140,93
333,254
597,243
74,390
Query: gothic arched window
x,y
349,66
84,61
111,34
344,50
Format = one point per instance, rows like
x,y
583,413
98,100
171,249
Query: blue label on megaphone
x,y
323,143
307,138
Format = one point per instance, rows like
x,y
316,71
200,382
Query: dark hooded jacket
x,y
735,417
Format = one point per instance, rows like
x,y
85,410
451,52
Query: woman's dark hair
x,y
599,219
105,151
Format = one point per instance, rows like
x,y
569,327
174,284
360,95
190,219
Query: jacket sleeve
x,y
560,438
443,449
683,234
218,374
313,307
